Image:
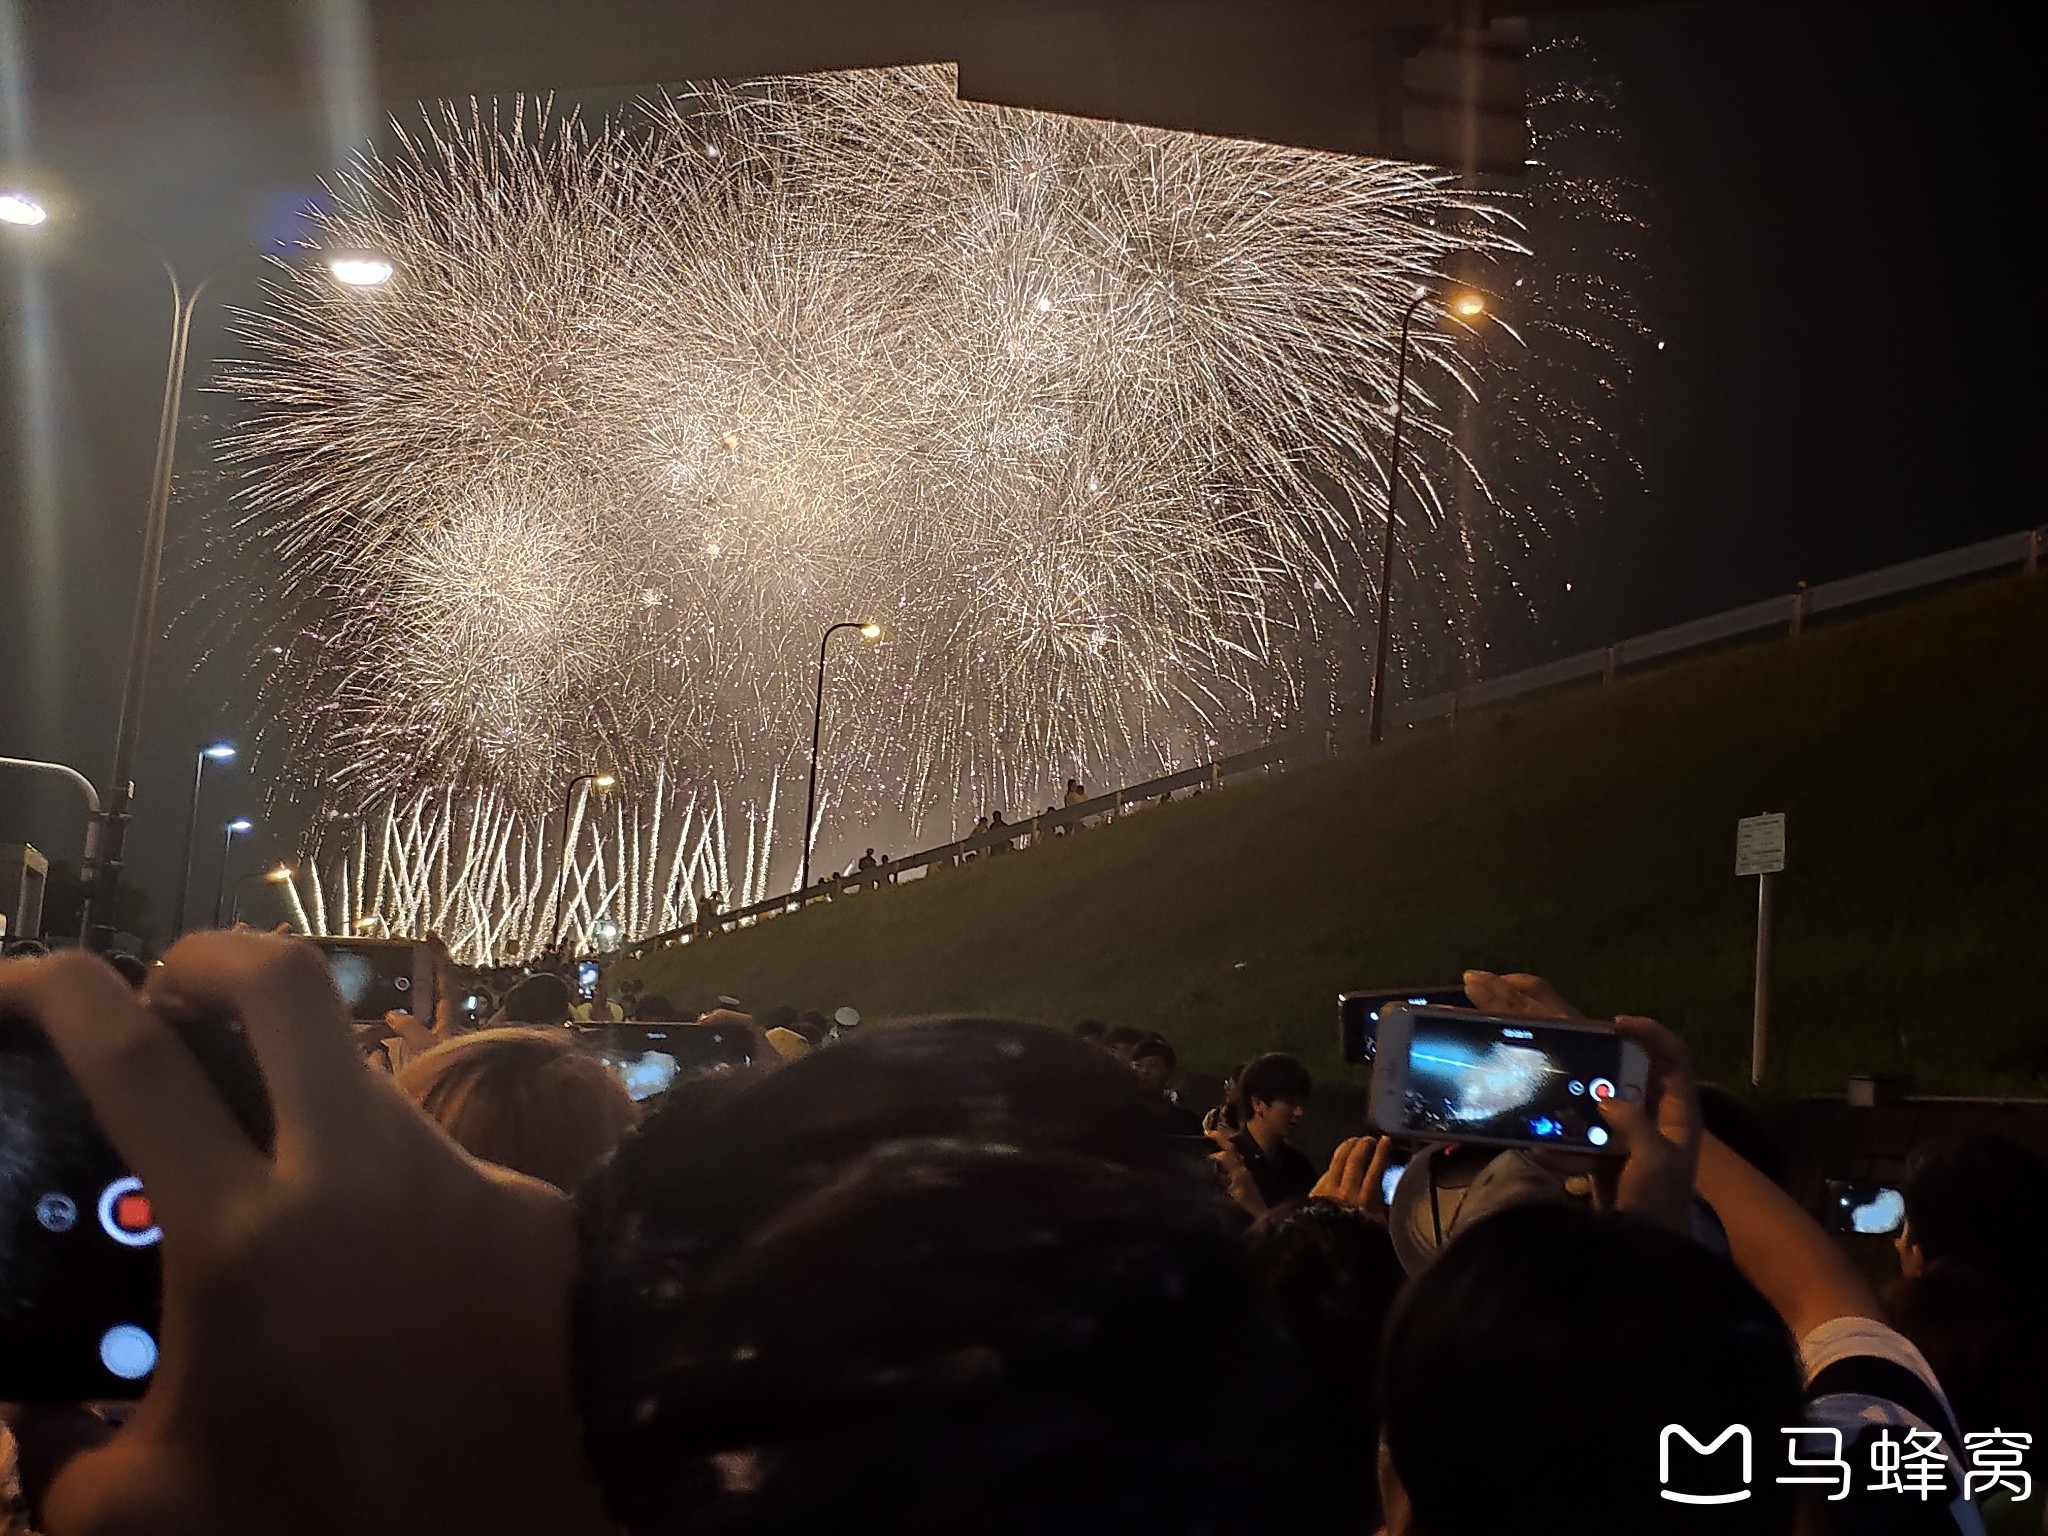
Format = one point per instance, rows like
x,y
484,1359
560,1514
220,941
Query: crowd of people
x,y
968,1275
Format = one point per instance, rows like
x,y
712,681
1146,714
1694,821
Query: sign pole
x,y
1761,1020
1760,851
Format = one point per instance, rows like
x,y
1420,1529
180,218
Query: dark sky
x,y
1835,202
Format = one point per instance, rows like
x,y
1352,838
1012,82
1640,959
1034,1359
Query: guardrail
x,y
1788,613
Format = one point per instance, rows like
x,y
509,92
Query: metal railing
x,y
1788,613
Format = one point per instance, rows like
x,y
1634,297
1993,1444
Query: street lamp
x,y
1468,307
602,781
219,752
869,630
227,846
19,207
277,876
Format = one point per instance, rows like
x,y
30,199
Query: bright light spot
x,y
1468,306
1567,586
1596,1135
604,781
714,550
240,825
650,597
128,1351
1044,305
220,752
1660,346
20,208
361,270
711,151
281,874
871,631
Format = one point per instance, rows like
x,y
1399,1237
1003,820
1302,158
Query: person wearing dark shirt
x,y
1272,1097
1152,1062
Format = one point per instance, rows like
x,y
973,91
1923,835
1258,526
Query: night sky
x,y
1835,267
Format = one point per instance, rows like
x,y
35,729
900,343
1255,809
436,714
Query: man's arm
x,y
1783,1251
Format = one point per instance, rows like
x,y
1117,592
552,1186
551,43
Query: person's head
x,y
1091,1031
134,970
532,1100
1986,1342
1979,1200
539,999
942,1278
654,1008
1529,1374
1122,1040
1153,1061
1272,1096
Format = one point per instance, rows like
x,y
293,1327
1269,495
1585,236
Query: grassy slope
x,y
1588,835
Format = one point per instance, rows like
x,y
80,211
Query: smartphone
x,y
1442,1074
80,1283
380,976
1358,1014
649,1059
586,979
1870,1210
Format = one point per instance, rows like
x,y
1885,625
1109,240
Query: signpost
x,y
1760,851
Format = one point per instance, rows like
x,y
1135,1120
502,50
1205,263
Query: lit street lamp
x,y
219,752
227,847
277,876
1467,307
868,631
602,781
358,269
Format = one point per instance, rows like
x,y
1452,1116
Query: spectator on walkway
x,y
997,824
1077,792
868,860
1272,1096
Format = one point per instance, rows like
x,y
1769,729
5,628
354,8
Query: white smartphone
x,y
1446,1074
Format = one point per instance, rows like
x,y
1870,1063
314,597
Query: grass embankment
x,y
1588,835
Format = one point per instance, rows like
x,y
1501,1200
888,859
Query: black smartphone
x,y
1358,1014
80,1284
380,976
1869,1210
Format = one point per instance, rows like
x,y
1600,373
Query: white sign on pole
x,y
1760,845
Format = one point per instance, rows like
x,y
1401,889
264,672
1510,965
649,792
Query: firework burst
x,y
1080,412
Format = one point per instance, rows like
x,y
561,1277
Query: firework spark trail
x,y
1079,411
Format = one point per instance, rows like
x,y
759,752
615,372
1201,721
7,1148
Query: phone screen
x,y
79,1268
1871,1210
1358,1014
586,977
649,1061
1523,1081
375,978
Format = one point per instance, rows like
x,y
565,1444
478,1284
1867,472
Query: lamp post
x,y
868,631
355,269
227,847
1467,307
602,781
219,752
277,876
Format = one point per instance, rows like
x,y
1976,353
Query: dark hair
x,y
654,1008
1987,1344
539,999
1326,1274
1090,1029
134,970
941,1278
1981,1200
1152,1045
1271,1077
1540,1357
1123,1034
